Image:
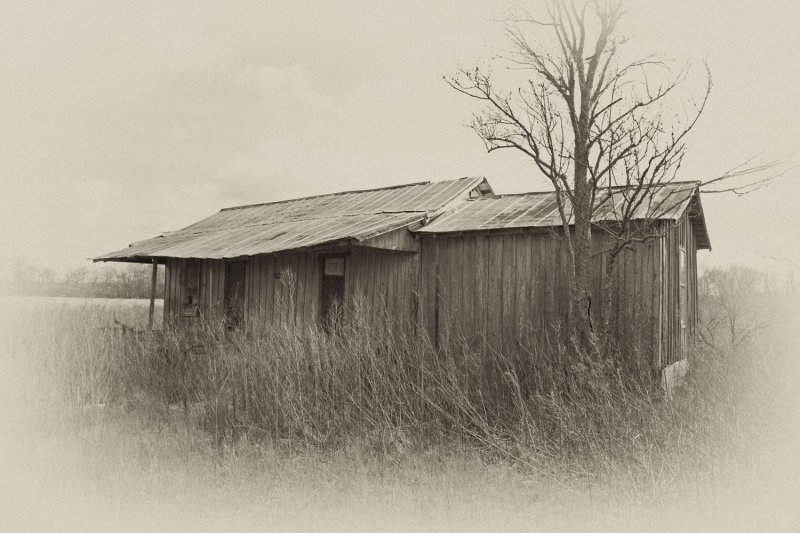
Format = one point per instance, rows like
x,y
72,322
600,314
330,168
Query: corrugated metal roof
x,y
539,209
300,223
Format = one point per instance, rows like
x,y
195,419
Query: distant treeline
x,y
107,281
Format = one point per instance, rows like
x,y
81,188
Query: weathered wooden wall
x,y
283,290
493,291
211,286
635,305
384,283
490,287
681,234
508,291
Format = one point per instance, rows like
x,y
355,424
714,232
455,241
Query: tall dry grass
x,y
385,392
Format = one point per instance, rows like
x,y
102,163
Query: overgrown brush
x,y
386,390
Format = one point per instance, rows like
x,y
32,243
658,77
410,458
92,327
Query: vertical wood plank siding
x,y
283,290
211,274
488,291
679,235
511,290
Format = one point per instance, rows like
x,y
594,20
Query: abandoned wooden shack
x,y
449,258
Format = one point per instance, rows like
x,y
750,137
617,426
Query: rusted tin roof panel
x,y
233,241
417,197
540,210
664,202
301,223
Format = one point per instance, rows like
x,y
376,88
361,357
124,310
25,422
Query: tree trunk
x,y
582,246
608,299
582,293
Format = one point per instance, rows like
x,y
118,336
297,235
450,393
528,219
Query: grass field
x,y
83,450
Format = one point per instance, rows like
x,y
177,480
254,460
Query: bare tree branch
x,y
609,136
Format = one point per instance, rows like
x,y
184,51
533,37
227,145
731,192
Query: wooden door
x,y
235,272
332,288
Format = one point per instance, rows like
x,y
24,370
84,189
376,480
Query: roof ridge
x,y
695,183
537,209
338,193
496,196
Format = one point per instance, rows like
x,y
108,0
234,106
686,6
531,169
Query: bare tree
x,y
604,132
731,307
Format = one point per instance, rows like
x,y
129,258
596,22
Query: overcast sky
x,y
120,121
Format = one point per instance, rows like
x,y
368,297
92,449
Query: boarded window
x,y
334,266
191,288
332,288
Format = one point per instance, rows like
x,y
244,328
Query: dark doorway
x,y
235,272
332,288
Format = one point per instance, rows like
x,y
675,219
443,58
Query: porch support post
x,y
154,278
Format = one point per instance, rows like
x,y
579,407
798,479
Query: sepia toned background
x,y
121,121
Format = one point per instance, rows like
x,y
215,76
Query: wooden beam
x,y
153,280
399,240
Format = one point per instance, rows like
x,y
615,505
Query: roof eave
x,y
143,259
699,221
